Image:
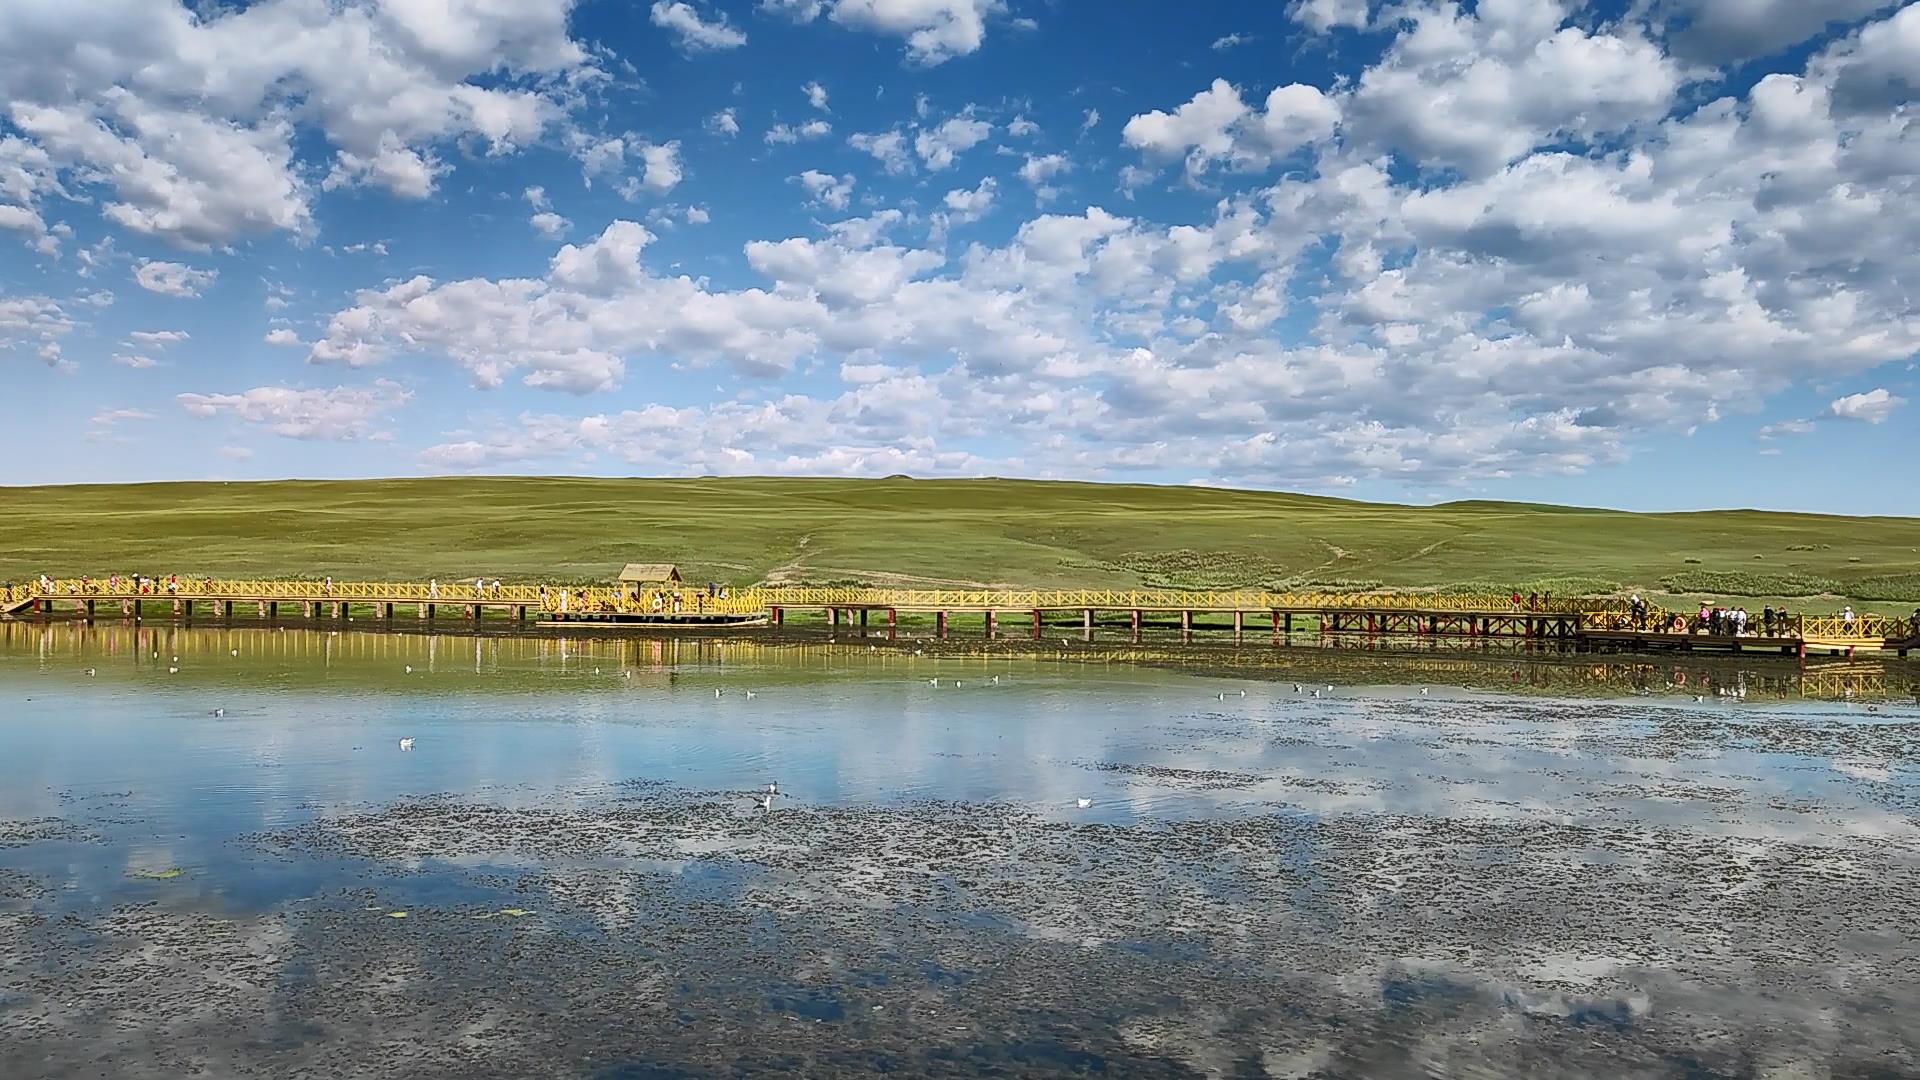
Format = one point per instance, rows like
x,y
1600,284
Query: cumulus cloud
x,y
342,414
283,337
787,134
935,30
692,33
826,190
1326,15
940,145
1872,407
1725,31
184,119
157,339
725,123
887,147
816,95
172,278
1216,125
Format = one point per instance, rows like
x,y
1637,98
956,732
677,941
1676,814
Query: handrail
x,y
1593,613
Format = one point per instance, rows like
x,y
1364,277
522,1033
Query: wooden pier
x,y
1595,623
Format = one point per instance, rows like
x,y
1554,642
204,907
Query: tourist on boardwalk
x,y
1846,618
433,588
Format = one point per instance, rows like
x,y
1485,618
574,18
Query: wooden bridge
x,y
1594,622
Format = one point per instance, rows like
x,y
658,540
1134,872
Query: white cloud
x,y
550,224
284,337
1216,125
725,123
1877,68
826,190
235,453
816,95
1872,407
1232,41
184,120
1325,15
787,134
136,361
1020,127
971,205
697,215
660,169
172,278
342,414
158,339
935,30
938,146
108,418
887,147
692,33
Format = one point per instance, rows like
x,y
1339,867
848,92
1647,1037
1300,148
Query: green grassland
x,y
946,533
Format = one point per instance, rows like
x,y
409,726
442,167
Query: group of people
x,y
112,585
1716,621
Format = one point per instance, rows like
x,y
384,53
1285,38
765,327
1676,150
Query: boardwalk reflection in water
x,y
1540,866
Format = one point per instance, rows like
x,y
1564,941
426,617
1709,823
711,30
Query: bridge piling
x,y
893,624
1136,626
940,625
989,624
1239,626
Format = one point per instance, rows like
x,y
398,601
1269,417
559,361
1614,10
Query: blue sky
x,y
1654,254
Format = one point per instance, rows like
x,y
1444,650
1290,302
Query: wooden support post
x,y
432,610
226,610
1239,625
340,611
1186,621
269,609
863,622
1036,624
184,609
90,615
133,610
833,617
386,611
989,627
1086,620
893,623
777,616
1136,626
520,613
940,625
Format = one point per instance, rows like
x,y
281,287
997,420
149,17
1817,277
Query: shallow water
x,y
1444,865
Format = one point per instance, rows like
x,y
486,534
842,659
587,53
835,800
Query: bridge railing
x,y
1167,600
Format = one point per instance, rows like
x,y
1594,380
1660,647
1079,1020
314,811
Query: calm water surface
x,y
1416,866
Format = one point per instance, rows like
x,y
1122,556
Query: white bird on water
x,y
766,802
1083,803
91,672
219,712
750,694
717,692
933,682
773,788
409,669
407,743
173,671
234,652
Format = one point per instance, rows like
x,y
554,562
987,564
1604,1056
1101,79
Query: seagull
x,y
406,743
1222,695
749,694
996,680
235,652
933,682
596,671
91,673
219,712
766,802
717,692
1083,803
773,788
1296,688
409,669
626,674
1423,690
176,659
1329,688
1698,699
1243,693
173,671
1316,693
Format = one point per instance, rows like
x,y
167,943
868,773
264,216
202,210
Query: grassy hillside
x,y
945,533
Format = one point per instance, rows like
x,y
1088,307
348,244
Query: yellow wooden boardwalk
x,y
1602,619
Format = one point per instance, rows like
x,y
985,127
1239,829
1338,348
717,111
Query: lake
x,y
217,856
